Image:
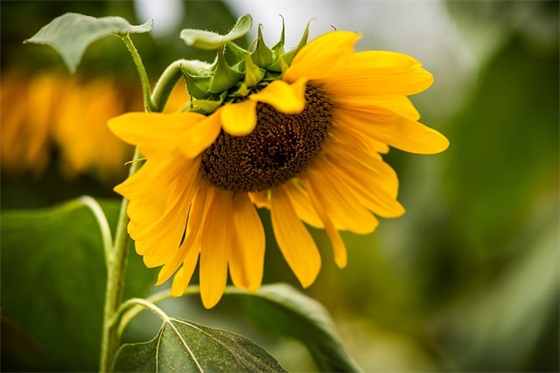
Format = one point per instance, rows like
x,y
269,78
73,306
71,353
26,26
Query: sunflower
x,y
303,140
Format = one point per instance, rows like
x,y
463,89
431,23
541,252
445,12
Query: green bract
x,y
236,72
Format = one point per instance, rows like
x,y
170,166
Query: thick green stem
x,y
148,103
117,257
116,271
165,84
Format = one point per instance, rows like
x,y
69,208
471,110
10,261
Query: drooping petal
x,y
157,220
370,190
185,273
246,261
294,240
323,56
154,132
176,180
393,129
339,249
364,162
200,136
191,242
284,97
378,73
214,250
177,285
342,206
302,205
240,118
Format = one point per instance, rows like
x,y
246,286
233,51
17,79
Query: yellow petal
x,y
178,281
247,255
322,57
153,132
215,244
185,272
200,135
191,242
240,118
399,104
358,140
294,240
363,162
302,205
339,202
393,129
376,193
260,199
176,183
339,249
378,73
284,97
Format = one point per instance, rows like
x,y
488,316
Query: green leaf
x,y
71,34
280,309
53,281
183,346
209,40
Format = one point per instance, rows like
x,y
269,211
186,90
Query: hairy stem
x,y
116,258
116,271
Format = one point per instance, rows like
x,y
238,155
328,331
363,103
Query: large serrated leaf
x,y
280,309
71,34
209,40
183,346
53,282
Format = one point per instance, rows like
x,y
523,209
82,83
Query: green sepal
x,y
286,59
253,74
271,76
209,40
262,56
278,48
242,91
225,76
207,106
197,75
238,53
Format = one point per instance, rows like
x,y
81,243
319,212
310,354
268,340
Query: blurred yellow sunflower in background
x,y
303,141
35,122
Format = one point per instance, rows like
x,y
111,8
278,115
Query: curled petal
x,y
240,118
284,97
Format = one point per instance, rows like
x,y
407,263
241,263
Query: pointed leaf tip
x,y
71,34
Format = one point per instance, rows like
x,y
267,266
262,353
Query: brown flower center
x,y
280,147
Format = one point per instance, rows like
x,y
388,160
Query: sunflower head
x,y
301,133
236,72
